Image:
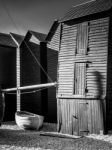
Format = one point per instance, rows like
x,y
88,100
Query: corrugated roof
x,y
87,9
40,36
6,40
18,38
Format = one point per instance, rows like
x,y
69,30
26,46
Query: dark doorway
x,y
10,107
8,79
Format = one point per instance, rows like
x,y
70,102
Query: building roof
x,y
88,8
6,40
18,38
40,36
52,30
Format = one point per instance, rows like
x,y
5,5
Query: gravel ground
x,y
13,138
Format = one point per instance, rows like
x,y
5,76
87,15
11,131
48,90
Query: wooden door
x,y
80,77
83,117
80,117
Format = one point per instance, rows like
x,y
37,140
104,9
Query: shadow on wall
x,y
99,95
99,85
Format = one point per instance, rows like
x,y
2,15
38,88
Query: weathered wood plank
x,y
99,21
96,34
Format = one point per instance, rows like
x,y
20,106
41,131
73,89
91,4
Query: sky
x,y
19,16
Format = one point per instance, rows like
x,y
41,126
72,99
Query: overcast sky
x,y
18,16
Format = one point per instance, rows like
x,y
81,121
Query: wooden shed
x,y
36,64
84,92
8,74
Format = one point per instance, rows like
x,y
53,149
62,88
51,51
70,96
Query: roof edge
x,y
84,3
52,30
86,9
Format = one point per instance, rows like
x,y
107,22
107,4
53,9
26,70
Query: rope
x,y
7,11
4,5
38,61
9,15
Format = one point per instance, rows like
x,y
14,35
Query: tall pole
x,y
18,92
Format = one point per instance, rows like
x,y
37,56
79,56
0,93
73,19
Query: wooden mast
x,y
46,85
18,92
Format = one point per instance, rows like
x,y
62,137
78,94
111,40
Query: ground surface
x,y
13,138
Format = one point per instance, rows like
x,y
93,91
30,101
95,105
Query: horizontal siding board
x,y
96,34
96,55
54,43
98,42
99,29
67,47
100,21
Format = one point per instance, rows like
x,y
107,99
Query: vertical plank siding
x,y
87,114
79,79
78,117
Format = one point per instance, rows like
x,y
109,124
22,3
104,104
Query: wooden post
x,y
18,79
37,86
18,92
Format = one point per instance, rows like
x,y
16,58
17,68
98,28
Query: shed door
x,y
80,76
83,118
80,66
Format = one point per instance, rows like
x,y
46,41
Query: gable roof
x,y
88,8
52,30
18,38
6,40
40,36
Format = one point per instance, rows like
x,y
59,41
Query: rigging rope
x,y
7,11
9,15
38,61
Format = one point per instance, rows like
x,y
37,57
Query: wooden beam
x,y
18,92
60,135
30,87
